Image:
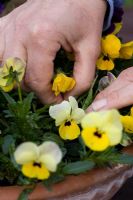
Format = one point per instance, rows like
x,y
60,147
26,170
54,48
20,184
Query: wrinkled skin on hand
x,y
35,32
118,95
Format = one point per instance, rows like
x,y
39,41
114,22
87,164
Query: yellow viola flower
x,y
38,161
111,46
62,84
127,122
101,129
67,116
94,139
105,63
12,72
126,51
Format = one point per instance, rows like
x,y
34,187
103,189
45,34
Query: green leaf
x,y
25,193
89,98
9,99
27,102
8,141
78,167
124,159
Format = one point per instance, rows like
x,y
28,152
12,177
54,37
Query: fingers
x,y
39,72
84,68
118,95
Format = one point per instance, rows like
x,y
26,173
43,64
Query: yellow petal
x,y
94,140
69,130
105,63
42,172
118,27
111,46
127,122
32,171
8,88
26,152
62,84
126,52
28,170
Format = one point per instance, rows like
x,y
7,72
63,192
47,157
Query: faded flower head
x,y
105,81
11,73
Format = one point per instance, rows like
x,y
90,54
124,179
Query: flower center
x,y
106,58
35,164
97,134
68,123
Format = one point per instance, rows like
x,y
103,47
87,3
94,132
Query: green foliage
x,y
78,167
24,195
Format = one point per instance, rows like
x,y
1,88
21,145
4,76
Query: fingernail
x,y
98,105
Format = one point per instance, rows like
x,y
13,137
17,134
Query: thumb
x,y
118,95
84,67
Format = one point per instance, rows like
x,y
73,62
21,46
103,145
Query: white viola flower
x,y
67,116
38,161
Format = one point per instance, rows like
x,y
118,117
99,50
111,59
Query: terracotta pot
x,y
99,184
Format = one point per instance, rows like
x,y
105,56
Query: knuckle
x,y
40,31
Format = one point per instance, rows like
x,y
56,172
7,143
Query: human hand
x,y
35,32
118,95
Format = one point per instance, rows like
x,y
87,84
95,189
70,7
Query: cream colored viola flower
x,y
101,129
11,73
38,161
62,84
126,51
111,46
67,116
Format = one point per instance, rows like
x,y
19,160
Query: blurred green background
x,y
128,2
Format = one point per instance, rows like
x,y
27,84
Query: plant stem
x,y
20,93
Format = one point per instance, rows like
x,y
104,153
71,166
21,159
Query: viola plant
x,y
45,143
